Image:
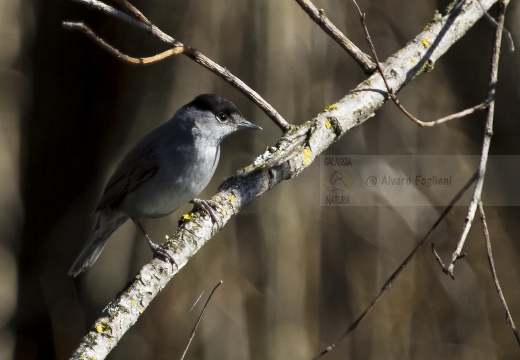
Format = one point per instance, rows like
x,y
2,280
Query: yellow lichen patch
x,y
425,42
307,156
187,216
412,60
354,95
328,125
133,303
101,326
331,107
223,211
231,199
426,27
428,66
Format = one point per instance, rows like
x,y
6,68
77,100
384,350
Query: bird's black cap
x,y
221,107
215,104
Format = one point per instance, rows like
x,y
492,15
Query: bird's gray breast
x,y
183,172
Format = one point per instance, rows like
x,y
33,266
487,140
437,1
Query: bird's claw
x,y
159,251
206,207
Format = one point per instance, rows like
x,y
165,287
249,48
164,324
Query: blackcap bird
x,y
167,168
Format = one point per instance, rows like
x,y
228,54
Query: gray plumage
x,y
167,168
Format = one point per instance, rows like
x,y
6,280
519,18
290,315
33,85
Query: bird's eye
x,y
222,117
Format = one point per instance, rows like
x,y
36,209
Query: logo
x,y
337,181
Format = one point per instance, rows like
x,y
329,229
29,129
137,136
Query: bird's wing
x,y
138,166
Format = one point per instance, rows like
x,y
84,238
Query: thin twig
x,y
79,26
399,270
192,335
192,53
488,133
494,22
441,263
458,115
319,17
509,318
439,260
109,10
196,301
138,14
391,92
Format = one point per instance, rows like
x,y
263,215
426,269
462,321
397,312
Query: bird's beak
x,y
244,124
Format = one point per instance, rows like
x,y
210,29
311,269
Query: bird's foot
x,y
159,251
205,206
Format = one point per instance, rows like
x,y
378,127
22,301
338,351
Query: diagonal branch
x,y
509,318
400,269
144,24
192,335
318,15
293,153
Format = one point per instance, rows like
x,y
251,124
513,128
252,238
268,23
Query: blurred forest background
x,y
295,273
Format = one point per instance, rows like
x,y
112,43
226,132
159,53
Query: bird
x,y
168,167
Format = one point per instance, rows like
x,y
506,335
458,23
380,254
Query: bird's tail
x,y
107,223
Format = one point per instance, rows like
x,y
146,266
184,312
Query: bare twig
x,y
488,133
79,26
318,15
394,98
441,263
193,54
139,15
458,115
494,22
400,269
196,301
109,10
509,318
192,335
